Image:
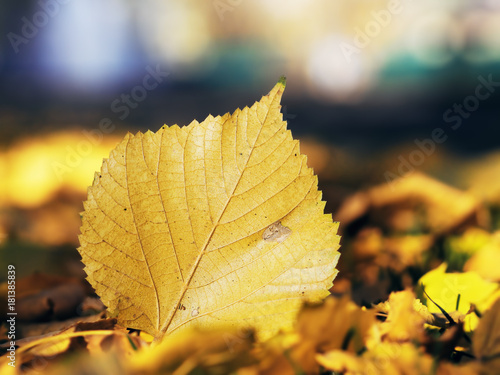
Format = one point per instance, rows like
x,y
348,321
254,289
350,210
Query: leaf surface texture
x,y
173,228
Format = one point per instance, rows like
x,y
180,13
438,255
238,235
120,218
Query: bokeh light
x,y
436,38
88,43
336,72
34,170
175,32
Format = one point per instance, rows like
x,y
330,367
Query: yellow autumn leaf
x,y
399,299
405,318
488,254
338,323
464,289
208,352
218,223
387,358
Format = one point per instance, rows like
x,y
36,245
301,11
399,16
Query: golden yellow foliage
x,y
213,352
487,255
445,288
470,241
400,300
338,323
411,201
405,317
387,358
181,226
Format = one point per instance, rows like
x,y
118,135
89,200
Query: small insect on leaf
x,y
276,232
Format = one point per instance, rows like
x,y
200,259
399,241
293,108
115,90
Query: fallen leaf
x,y
480,176
405,317
404,323
338,323
469,242
194,352
482,260
460,248
172,232
367,244
486,340
274,356
463,289
36,331
89,337
60,302
388,358
104,363
343,362
413,203
43,297
406,251
471,368
38,282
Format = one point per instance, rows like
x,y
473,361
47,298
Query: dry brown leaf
x,y
471,368
84,337
42,297
60,302
38,282
173,227
36,331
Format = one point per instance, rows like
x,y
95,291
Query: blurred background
x,y
375,89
